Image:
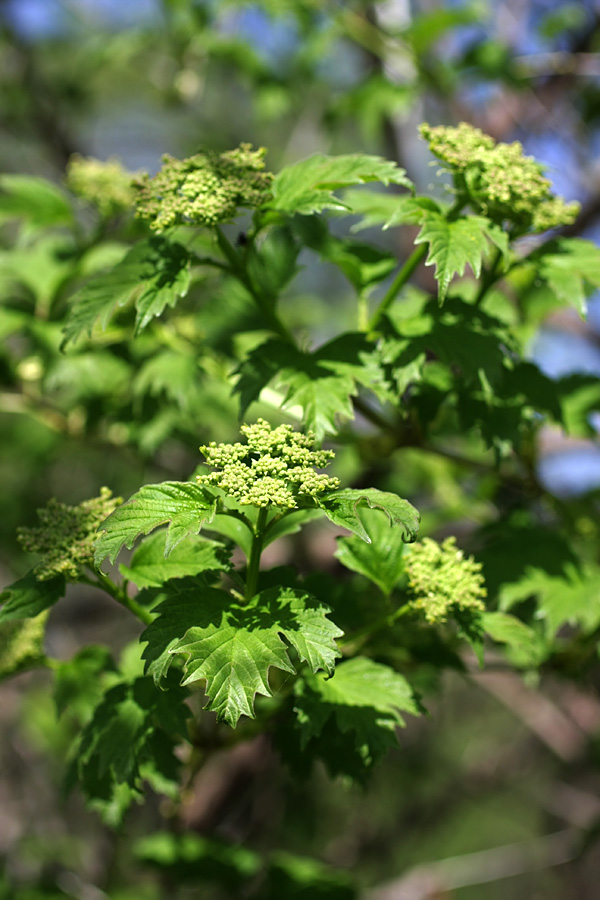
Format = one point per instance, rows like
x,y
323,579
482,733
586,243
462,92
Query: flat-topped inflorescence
x,y
203,189
276,467
443,581
106,185
499,180
66,534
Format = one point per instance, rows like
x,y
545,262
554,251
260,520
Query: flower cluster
x,y
66,534
106,185
443,581
275,467
499,179
204,189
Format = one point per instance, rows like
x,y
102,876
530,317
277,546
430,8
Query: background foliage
x,y
506,760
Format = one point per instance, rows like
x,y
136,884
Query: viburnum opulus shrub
x,y
166,324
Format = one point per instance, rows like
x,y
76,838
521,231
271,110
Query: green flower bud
x,y
275,467
66,534
500,181
204,189
443,581
106,185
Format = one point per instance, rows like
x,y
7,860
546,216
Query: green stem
x,y
255,553
363,312
418,254
238,270
490,278
368,630
121,596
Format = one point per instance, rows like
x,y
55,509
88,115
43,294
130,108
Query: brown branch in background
x,y
435,880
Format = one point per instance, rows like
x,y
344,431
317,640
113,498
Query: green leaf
x,y
308,186
410,211
78,684
453,244
572,599
154,274
28,597
381,560
22,644
190,857
366,700
232,646
573,271
150,568
40,202
272,264
174,374
525,646
131,734
342,508
579,398
363,264
299,877
185,505
95,374
322,382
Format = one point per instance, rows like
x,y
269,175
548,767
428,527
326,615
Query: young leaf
x,y
185,505
233,646
572,271
150,567
308,186
453,244
381,561
28,597
365,698
154,274
341,507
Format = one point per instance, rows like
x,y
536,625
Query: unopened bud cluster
x,y
275,467
204,189
499,179
66,534
443,581
106,185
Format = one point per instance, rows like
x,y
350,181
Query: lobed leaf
x,y
184,505
454,244
308,186
153,274
381,560
322,382
572,271
342,508
573,598
151,567
232,646
364,698
525,646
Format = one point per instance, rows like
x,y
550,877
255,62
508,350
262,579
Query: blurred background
x,y
140,78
